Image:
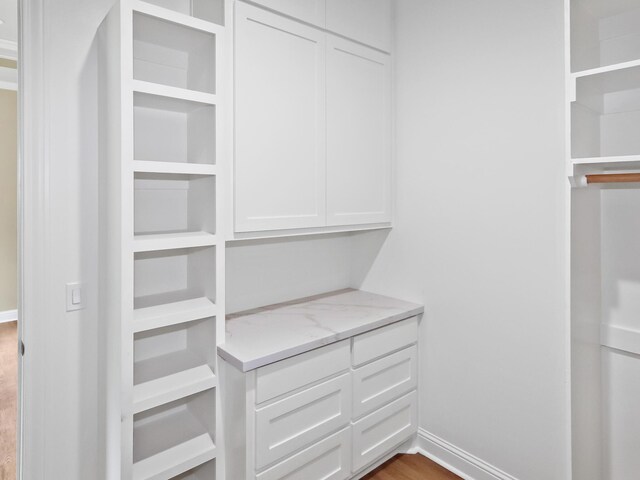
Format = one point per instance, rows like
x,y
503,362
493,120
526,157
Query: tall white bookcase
x,y
162,287
603,145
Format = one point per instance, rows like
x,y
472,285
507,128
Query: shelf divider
x,y
178,168
165,315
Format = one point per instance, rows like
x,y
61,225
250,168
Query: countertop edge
x,y
255,363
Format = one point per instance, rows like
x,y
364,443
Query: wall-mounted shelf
x,y
177,168
172,241
174,93
172,387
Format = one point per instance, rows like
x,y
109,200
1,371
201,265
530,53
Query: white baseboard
x,y
8,316
456,460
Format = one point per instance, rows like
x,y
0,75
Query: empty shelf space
x,y
175,168
194,13
181,16
172,387
174,93
159,316
176,460
604,32
605,115
173,129
172,241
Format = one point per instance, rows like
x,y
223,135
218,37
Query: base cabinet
x,y
326,414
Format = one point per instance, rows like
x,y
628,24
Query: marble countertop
x,y
269,334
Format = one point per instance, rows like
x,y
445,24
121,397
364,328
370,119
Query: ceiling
x,y
9,14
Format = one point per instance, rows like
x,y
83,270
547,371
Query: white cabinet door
x,y
301,419
311,11
280,139
367,21
358,134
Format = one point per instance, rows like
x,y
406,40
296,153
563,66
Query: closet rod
x,y
613,178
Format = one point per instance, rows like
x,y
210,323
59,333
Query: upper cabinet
x,y
279,122
310,11
367,21
312,122
358,134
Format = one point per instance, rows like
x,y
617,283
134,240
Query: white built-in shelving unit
x,y
603,139
163,263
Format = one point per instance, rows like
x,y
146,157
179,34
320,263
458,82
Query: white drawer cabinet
x,y
325,414
379,382
302,419
384,429
329,459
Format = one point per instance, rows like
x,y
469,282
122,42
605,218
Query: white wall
x,y
62,428
479,234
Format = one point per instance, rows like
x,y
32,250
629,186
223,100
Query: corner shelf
x,y
172,241
166,389
159,316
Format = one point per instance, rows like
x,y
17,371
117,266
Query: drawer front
x,y
302,419
382,341
329,459
383,430
379,382
296,372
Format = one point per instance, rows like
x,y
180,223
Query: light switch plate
x,y
75,297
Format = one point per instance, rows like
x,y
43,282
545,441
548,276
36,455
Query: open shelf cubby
x,y
207,10
173,130
174,438
171,276
173,362
604,32
165,203
172,54
605,117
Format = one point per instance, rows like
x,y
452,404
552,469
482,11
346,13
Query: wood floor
x,y
410,467
8,399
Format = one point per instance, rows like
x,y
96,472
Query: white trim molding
x,y
8,49
8,316
457,460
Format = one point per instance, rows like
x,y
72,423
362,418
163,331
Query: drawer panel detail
x,y
382,341
379,382
302,419
383,430
296,372
329,459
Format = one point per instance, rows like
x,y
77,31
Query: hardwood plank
x,y
410,467
8,399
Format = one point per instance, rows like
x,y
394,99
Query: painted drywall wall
x,y
479,226
264,272
64,441
8,200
